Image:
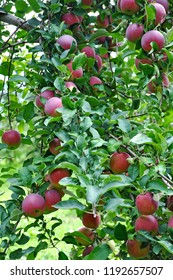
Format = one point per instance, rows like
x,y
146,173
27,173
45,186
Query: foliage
x,y
118,115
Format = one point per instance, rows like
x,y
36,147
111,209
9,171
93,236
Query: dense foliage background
x,y
120,114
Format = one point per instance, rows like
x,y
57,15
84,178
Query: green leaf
x,y
100,252
28,112
93,193
158,185
167,245
34,5
25,176
124,125
120,232
99,33
62,256
18,78
79,61
150,12
59,84
141,138
70,166
113,203
70,204
23,239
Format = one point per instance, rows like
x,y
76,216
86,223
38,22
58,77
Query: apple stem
x,y
94,210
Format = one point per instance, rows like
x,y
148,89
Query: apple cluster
x,y
151,39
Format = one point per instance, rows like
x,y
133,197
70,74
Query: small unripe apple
x,y
89,51
134,32
75,74
128,6
54,146
51,198
136,250
12,138
66,41
87,250
152,36
51,105
57,174
146,204
90,220
47,94
119,162
70,19
148,223
169,203
33,205
88,233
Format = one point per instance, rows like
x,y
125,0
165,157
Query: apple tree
x,y
86,125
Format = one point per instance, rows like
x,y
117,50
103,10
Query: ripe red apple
x,y
70,85
136,250
87,250
170,222
12,138
152,85
128,6
119,162
152,36
70,19
51,198
102,23
51,105
66,41
160,13
146,204
90,220
47,94
95,81
164,3
169,203
78,73
89,51
56,175
98,62
148,223
88,233
33,205
87,2
54,146
134,32
142,61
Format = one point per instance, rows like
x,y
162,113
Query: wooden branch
x,y
16,21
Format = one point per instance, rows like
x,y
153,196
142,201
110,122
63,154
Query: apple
x,y
99,62
148,223
164,3
87,2
128,6
170,222
88,233
12,138
142,61
70,85
66,41
169,203
102,23
57,174
152,85
152,36
89,51
78,73
51,198
70,19
95,81
51,105
146,204
87,250
90,220
119,162
160,13
134,32
54,146
33,205
136,250
47,94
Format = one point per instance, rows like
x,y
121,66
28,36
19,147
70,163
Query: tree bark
x,y
16,21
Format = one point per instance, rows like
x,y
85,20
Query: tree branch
x,y
16,21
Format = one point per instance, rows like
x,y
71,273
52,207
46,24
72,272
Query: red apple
x,y
152,85
146,204
70,85
51,105
136,250
51,198
12,138
95,81
134,32
70,19
142,61
128,6
78,73
169,203
87,250
152,36
170,222
87,2
98,62
119,162
66,41
54,146
160,13
148,223
102,23
56,175
33,205
164,3
88,233
90,220
89,51
47,94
